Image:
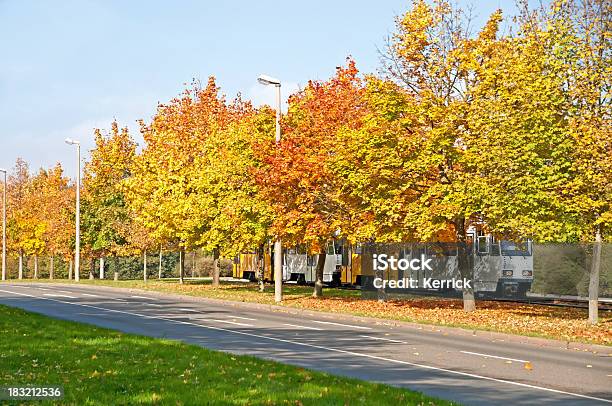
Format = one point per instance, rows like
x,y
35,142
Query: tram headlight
x,y
527,272
507,272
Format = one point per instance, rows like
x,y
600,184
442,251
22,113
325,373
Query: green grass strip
x,y
97,366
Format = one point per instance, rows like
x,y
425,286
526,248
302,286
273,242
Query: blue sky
x,y
67,67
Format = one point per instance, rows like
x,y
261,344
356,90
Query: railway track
x,y
605,304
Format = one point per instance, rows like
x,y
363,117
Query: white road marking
x,y
343,325
385,339
232,322
306,327
139,297
152,304
89,294
54,295
43,288
494,356
64,291
189,310
243,318
119,300
356,354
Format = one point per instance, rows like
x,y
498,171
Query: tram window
x,y
494,247
311,260
483,247
511,248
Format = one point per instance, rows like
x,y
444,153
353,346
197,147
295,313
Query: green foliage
x,y
105,216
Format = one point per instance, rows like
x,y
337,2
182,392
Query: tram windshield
x,y
511,248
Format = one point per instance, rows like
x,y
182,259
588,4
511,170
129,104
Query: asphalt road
x,y
473,370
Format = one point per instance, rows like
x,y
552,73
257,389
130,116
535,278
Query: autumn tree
x,y
296,178
582,47
426,56
57,207
104,209
191,182
231,215
21,229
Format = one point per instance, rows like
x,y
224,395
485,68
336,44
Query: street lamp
x,y
278,246
4,226
77,254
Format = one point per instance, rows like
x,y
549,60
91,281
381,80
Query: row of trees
x,y
39,215
510,131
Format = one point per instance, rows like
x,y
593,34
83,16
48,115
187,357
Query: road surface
x,y
473,370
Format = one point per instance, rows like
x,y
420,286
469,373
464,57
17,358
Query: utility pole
x,y
77,253
4,225
278,246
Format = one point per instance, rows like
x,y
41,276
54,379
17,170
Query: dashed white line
x,y
356,354
384,339
243,318
139,297
189,310
306,327
232,322
89,294
54,295
152,304
117,299
494,356
343,325
43,289
64,291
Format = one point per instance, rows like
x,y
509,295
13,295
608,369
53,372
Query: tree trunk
x,y
181,265
160,263
594,279
193,264
116,269
20,266
35,266
379,273
318,287
261,263
278,271
466,269
51,267
70,269
92,265
101,267
215,275
144,265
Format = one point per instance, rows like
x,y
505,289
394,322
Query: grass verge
x,y
98,366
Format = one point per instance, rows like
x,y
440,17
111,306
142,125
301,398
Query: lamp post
x,y
77,253
278,246
4,226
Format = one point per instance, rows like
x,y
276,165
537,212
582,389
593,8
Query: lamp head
x,y
268,80
70,141
2,170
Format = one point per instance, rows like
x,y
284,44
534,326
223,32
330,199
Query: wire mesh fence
x,y
165,266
